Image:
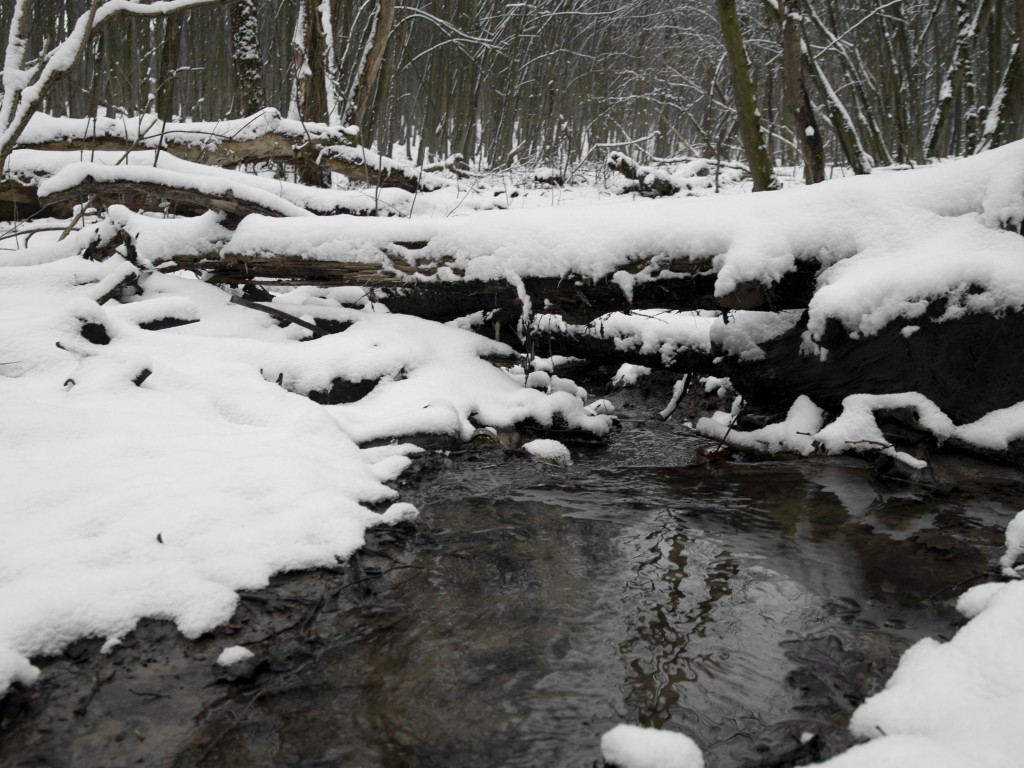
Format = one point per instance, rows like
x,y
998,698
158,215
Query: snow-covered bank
x,y
806,430
153,473
955,703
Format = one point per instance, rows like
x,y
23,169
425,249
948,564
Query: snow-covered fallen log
x,y
694,176
889,268
153,188
191,188
260,138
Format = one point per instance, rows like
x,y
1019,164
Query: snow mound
x,y
155,473
549,451
958,701
630,746
233,655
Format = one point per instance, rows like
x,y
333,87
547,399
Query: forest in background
x,y
551,81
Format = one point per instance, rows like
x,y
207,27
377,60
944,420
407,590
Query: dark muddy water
x,y
532,608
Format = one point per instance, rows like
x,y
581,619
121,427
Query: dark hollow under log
x,y
599,350
577,299
968,366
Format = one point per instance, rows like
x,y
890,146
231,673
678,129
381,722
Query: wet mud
x,y
532,608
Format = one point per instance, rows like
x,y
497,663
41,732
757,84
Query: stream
x,y
533,607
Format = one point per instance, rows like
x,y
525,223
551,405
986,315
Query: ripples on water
x,y
744,606
532,608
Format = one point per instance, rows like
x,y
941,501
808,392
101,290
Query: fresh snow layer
x,y
856,429
57,171
660,332
794,435
549,451
630,746
234,655
1014,547
158,474
933,232
957,703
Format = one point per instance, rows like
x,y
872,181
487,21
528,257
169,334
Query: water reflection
x,y
533,608
539,607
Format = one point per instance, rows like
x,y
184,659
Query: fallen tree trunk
x,y
402,286
260,138
154,195
588,342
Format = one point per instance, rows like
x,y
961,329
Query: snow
x,y
49,169
796,434
145,131
549,451
630,746
1014,546
233,655
741,335
629,374
205,184
158,474
956,703
651,332
948,216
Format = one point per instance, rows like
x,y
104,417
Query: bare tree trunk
x,y
997,117
798,101
310,55
746,104
247,58
372,61
940,133
169,53
849,140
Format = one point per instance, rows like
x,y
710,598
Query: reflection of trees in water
x,y
678,583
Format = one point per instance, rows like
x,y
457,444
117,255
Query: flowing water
x,y
532,608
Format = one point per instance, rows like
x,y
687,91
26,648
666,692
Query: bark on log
x,y
151,196
19,200
399,284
